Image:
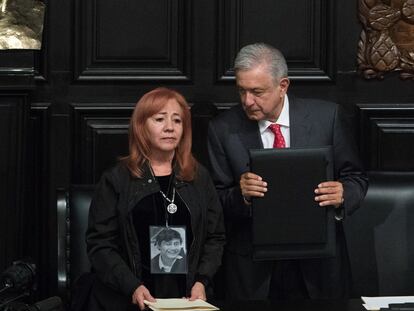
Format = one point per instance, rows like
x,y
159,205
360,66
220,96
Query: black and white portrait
x,y
168,250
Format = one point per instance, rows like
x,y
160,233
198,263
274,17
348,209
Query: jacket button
x,y
149,181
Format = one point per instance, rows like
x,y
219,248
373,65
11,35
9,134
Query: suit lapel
x,y
300,127
249,134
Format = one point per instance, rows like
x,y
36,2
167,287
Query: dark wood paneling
x,y
37,189
302,30
13,123
16,62
100,136
24,63
40,57
387,135
133,40
201,114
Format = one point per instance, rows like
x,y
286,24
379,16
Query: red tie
x,y
279,141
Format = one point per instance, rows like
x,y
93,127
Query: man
x,y
170,259
262,80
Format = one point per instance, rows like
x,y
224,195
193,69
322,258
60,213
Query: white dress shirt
x,y
267,135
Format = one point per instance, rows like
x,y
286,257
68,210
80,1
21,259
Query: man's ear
x,y
284,85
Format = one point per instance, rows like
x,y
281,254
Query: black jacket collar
x,y
146,185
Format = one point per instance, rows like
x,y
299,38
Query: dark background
x,y
64,110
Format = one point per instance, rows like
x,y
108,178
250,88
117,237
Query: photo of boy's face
x,y
169,249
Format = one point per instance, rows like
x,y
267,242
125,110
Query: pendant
x,y
171,208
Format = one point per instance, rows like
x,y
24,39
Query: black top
x,y
152,211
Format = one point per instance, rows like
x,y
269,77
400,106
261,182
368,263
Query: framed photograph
x,y
168,249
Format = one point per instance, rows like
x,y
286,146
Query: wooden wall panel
x,y
100,136
302,30
386,136
133,40
13,123
37,220
17,62
201,114
40,58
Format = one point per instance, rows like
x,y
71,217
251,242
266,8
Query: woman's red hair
x,y
139,140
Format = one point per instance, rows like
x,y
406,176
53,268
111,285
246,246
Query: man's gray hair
x,y
256,54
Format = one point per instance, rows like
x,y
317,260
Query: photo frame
x,y
168,249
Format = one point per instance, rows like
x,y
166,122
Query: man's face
x,y
261,97
170,249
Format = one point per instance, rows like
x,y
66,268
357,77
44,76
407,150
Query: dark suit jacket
x,y
313,123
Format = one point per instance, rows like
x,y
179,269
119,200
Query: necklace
x,y
172,207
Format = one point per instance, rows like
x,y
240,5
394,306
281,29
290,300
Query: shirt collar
x,y
167,268
283,119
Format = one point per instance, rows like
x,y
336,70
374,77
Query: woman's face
x,y
165,128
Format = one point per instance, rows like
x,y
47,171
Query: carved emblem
x,y
386,43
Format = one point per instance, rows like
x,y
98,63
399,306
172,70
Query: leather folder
x,y
287,222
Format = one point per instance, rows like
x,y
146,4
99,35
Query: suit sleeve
x,y
348,166
226,183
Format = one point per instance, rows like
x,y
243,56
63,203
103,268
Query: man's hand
x,y
330,193
198,292
141,294
252,185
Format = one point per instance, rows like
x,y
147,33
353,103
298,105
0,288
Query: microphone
x,y
19,277
50,304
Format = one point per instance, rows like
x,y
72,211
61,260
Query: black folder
x,y
287,222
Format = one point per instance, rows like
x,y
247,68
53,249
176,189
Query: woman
x,y
158,186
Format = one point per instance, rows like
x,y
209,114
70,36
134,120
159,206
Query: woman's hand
x,y
198,291
141,294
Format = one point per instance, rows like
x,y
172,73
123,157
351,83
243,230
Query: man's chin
x,y
253,116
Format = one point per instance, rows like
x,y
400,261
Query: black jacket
x,y
112,243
